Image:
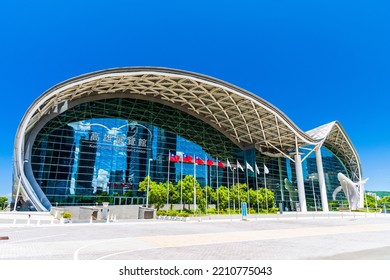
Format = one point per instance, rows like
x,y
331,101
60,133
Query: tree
x,y
385,200
371,201
157,192
268,198
211,194
188,193
238,194
256,199
3,202
103,197
223,197
174,192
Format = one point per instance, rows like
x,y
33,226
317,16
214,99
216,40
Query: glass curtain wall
x,y
109,146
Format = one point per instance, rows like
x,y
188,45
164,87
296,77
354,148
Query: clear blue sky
x,y
317,61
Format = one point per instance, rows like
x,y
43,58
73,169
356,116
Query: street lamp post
x,y
147,190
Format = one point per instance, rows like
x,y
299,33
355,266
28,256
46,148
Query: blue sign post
x,y
243,210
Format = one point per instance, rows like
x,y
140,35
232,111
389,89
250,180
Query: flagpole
x,y
207,174
257,191
169,166
217,187
238,187
194,186
234,201
247,183
228,184
181,184
266,195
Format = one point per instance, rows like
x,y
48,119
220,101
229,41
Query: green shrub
x,y
232,211
161,213
211,211
183,214
172,213
67,215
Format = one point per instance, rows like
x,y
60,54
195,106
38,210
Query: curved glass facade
x,y
107,146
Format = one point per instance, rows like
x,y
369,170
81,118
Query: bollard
x,y
90,220
114,218
28,221
108,219
14,222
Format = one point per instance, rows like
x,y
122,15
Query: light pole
x,y
314,194
19,185
147,190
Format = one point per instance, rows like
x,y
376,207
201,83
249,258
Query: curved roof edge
x,y
334,137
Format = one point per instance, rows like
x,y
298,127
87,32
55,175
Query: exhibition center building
x,y
104,132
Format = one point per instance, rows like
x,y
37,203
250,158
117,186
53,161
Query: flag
x,y
198,160
187,158
239,166
209,162
249,167
174,158
266,171
257,169
220,164
228,164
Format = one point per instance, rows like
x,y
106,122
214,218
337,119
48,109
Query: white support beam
x,y
311,150
321,180
287,156
300,182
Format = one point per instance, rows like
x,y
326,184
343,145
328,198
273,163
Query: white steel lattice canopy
x,y
246,119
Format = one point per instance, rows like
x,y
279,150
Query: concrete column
x,y
321,180
300,182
